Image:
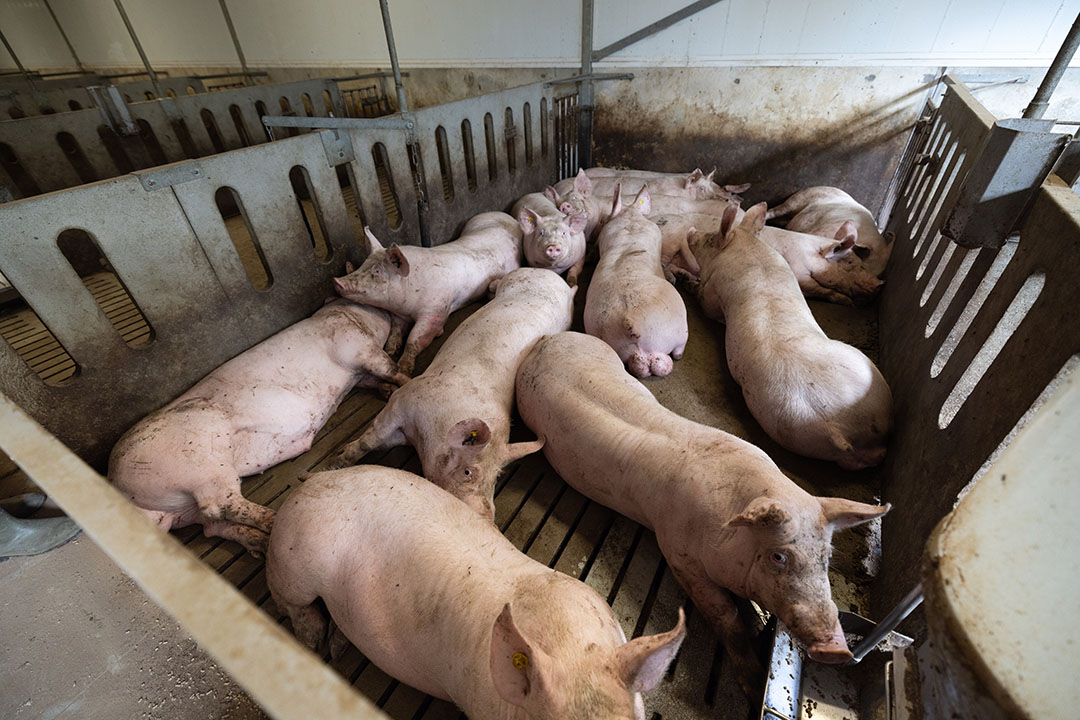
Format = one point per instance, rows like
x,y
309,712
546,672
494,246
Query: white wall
x,y
542,33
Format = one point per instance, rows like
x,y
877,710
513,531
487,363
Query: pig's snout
x,y
831,651
554,252
566,208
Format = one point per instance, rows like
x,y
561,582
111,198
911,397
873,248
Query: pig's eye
x,y
779,559
468,472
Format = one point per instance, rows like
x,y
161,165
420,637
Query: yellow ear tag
x,y
472,434
520,661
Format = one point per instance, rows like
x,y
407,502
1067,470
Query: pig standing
x,y
823,210
825,268
182,464
629,304
457,413
815,396
427,284
725,517
551,239
440,600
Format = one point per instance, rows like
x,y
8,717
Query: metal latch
x,y
169,175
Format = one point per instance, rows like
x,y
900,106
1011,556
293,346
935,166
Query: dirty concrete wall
x,y
778,128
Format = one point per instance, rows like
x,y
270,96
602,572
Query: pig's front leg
x,y
718,606
397,334
424,331
382,370
575,272
384,432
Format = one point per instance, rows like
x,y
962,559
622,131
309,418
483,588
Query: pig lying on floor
x,y
725,517
440,600
182,464
427,284
457,413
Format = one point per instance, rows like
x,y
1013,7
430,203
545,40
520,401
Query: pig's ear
x,y
473,432
520,670
846,231
582,183
693,177
349,268
761,512
842,513
518,450
550,194
728,219
643,661
373,242
398,259
643,201
737,188
616,204
889,237
528,220
711,175
577,222
755,218
840,251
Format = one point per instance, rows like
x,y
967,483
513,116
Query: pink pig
x,y
726,518
457,413
440,600
630,305
182,464
815,396
427,284
823,210
551,239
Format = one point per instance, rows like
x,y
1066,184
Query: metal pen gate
x,y
215,254
970,338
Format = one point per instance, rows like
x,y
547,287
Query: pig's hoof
x,y
386,390
571,280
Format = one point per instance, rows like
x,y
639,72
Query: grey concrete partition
x,y
444,217
68,94
970,339
170,130
171,248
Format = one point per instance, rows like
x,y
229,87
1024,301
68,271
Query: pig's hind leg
x,y
234,517
253,539
396,336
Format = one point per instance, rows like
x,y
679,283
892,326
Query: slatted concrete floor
x,y
557,526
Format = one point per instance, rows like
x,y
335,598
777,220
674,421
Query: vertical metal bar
x,y
1041,101
71,48
235,40
138,46
23,70
585,89
402,106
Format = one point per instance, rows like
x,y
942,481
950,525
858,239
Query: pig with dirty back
x,y
440,600
425,285
813,395
825,210
825,268
726,518
457,413
695,185
182,464
551,239
630,305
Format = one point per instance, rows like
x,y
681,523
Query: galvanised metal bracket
x,y
1011,167
169,175
113,109
338,147
589,77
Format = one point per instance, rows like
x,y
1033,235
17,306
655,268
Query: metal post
x,y
911,601
402,106
71,48
235,39
138,46
1041,101
585,90
23,70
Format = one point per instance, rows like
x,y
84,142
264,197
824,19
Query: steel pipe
x,y
402,105
1041,101
235,39
911,601
139,48
18,63
71,48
